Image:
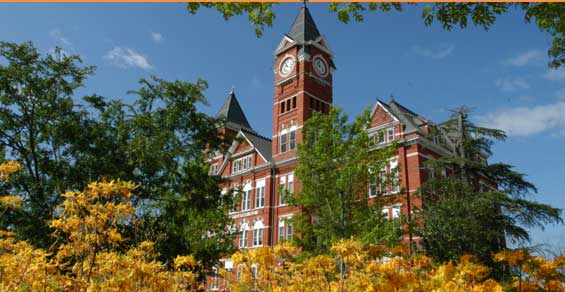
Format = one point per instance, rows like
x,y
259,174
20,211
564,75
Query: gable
x,y
381,116
243,146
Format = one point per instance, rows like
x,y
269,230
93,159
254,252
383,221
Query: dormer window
x,y
381,136
242,164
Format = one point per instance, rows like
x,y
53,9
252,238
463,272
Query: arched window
x,y
243,231
260,193
283,141
292,138
258,233
246,197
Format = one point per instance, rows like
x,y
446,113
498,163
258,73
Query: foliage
x,y
334,166
377,268
37,118
547,16
159,142
88,255
480,205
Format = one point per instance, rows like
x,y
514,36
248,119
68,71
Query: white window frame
x,y
284,227
243,231
396,211
373,187
390,134
381,136
214,286
291,139
260,193
395,181
242,164
283,141
246,197
290,183
282,190
258,234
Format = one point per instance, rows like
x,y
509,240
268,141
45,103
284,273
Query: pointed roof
x,y
304,29
261,143
232,112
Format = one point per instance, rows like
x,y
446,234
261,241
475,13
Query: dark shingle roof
x,y
304,29
232,112
262,144
409,118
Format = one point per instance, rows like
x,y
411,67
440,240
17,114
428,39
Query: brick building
x,y
260,166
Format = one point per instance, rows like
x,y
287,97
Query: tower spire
x,y
304,29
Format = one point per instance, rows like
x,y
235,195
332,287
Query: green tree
x,y
37,118
334,168
547,16
478,206
160,142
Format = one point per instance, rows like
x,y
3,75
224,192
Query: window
x,y
243,235
242,164
395,212
394,182
290,188
246,197
285,229
294,102
260,194
234,195
385,213
258,233
292,142
287,104
381,137
283,142
282,190
215,279
288,231
390,134
254,272
372,183
382,180
282,107
281,231
214,169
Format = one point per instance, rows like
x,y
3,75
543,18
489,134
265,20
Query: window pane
x,y
283,142
390,134
292,145
288,231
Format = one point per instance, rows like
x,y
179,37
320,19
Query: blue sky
x,y
501,73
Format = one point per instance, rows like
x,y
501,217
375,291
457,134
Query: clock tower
x,y
303,68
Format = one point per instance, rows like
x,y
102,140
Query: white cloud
x,y
525,121
511,84
156,37
560,93
525,58
127,58
435,53
555,74
60,38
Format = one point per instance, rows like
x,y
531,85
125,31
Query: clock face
x,y
286,66
320,66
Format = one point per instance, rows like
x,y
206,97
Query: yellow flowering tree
x,y
87,255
